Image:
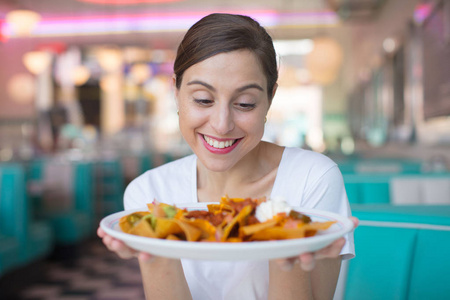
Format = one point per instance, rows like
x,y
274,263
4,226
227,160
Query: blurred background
x,y
86,105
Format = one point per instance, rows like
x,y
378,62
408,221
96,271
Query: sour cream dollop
x,y
267,210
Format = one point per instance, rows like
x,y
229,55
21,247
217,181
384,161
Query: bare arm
x,y
163,278
318,284
309,276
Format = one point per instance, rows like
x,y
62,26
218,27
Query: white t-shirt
x,y
304,178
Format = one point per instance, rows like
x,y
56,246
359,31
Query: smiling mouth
x,y
218,144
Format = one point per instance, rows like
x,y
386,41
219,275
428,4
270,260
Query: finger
x,y
122,250
111,243
145,257
355,222
307,261
286,264
107,240
100,232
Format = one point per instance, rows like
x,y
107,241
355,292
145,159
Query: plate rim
x,y
346,227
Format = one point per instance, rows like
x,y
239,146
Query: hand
x,y
122,250
307,260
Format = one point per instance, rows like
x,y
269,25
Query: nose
x,y
222,120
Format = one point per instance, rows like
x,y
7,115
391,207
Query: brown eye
x,y
245,106
203,102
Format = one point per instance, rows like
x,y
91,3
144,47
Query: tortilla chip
x,y
319,225
234,240
192,233
278,233
236,221
312,228
219,208
143,228
208,231
128,221
173,238
165,227
251,229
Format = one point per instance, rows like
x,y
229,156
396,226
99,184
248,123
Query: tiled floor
x,y
86,272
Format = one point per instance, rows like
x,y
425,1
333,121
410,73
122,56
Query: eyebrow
x,y
241,89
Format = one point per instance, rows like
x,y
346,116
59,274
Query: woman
x,y
225,79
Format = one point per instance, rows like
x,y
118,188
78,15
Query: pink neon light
x,y
127,2
422,11
161,15
99,24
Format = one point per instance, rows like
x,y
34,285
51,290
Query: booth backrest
x,y
14,210
379,165
420,189
84,189
368,188
426,188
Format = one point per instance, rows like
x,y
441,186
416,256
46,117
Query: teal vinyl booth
x,y
22,237
402,252
377,188
77,222
110,186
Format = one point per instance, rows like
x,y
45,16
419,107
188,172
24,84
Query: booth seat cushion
x,y
382,264
401,253
430,278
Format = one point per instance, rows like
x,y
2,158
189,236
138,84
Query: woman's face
x,y
222,104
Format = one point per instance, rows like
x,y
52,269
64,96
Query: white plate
x,y
231,251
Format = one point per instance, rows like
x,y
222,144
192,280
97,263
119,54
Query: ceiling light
x,y
389,45
37,61
21,87
81,75
140,72
110,59
22,22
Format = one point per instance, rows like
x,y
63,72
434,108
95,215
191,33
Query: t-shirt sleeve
x,y
133,193
169,183
137,194
327,192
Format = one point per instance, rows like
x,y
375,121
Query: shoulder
x,y
305,174
166,171
163,183
307,160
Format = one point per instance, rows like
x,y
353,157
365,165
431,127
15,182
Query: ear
x,y
174,86
275,87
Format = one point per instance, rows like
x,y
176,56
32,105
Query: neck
x,y
240,179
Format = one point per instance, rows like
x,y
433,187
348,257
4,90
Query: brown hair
x,y
219,33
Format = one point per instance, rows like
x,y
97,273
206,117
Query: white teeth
x,y
217,144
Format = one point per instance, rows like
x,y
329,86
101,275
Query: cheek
x,y
253,125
